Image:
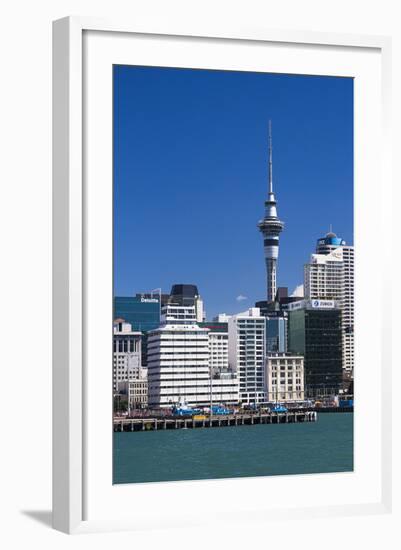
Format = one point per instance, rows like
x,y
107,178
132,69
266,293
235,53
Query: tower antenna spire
x,y
270,159
271,226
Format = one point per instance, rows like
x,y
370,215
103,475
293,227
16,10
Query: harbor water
x,y
237,451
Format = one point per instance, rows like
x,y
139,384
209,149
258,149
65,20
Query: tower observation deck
x,y
271,227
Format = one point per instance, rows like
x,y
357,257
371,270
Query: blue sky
x,y
190,177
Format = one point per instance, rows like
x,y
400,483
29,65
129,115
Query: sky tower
x,y
271,227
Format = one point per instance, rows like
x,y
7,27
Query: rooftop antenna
x,y
270,159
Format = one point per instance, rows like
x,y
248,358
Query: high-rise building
x,y
188,361
314,331
142,311
271,227
330,276
246,354
224,379
218,346
178,359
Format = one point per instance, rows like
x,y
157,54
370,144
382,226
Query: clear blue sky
x,y
190,177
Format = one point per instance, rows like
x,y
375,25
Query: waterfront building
x,y
218,346
314,331
246,352
136,389
284,377
127,355
330,276
178,359
271,227
225,388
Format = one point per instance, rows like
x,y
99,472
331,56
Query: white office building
x,y
178,360
188,363
330,276
285,377
218,351
127,359
246,352
225,388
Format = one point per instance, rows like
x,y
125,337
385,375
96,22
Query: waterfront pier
x,y
175,423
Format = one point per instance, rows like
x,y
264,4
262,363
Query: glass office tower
x,y
314,331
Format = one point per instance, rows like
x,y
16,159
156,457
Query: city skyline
x,y
191,217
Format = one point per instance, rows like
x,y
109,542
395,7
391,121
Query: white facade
x,y
127,358
324,276
137,389
330,276
348,309
178,360
225,386
285,377
218,352
199,310
188,363
246,350
225,389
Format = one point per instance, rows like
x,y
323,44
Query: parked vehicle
x,y
199,417
346,403
219,409
183,409
279,409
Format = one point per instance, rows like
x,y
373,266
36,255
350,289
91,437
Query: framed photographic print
x,y
213,204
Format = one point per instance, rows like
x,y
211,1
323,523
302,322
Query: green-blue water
x,y
260,450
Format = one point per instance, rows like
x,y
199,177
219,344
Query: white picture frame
x,y
71,246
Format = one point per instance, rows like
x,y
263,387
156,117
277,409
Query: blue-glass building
x,y
141,311
276,334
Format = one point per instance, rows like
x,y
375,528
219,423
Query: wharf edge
x,y
174,423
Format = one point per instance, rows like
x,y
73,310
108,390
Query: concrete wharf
x,y
216,421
